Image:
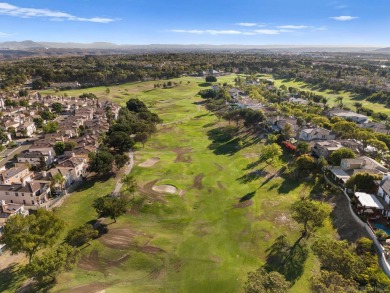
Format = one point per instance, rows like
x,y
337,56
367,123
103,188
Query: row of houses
x,y
81,124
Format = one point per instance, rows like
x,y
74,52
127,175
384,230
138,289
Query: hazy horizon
x,y
343,23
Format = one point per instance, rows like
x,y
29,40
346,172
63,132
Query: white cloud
x,y
4,35
267,32
344,17
248,24
293,27
11,10
209,32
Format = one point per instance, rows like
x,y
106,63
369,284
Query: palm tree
x,y
57,179
339,100
358,106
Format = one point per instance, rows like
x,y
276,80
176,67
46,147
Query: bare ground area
x,y
147,190
93,262
183,155
119,238
6,259
89,288
244,204
151,249
171,189
220,185
345,224
198,181
150,162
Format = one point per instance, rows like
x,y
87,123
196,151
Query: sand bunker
x,y
165,189
150,162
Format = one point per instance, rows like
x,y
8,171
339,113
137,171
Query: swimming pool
x,y
382,227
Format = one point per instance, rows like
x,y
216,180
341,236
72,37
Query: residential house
x,y
10,209
16,174
349,115
309,134
350,167
27,129
34,158
323,149
27,193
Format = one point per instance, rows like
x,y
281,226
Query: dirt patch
x,y
183,155
89,288
171,189
198,181
220,168
151,249
157,273
119,238
90,262
148,191
220,185
244,204
93,262
182,192
251,155
282,219
150,162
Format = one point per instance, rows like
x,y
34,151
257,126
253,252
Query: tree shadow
x,y
253,164
38,287
224,141
90,182
209,125
204,84
254,175
10,276
289,260
248,196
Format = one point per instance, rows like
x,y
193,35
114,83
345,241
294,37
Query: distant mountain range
x,y
25,49
30,45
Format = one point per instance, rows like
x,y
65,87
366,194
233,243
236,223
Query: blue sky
x,y
260,22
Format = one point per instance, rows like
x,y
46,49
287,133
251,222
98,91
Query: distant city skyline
x,y
245,22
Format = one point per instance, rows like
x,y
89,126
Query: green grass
x,y
348,98
209,245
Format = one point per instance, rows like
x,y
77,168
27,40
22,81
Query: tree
x,y
69,145
31,233
311,214
363,182
342,153
304,164
130,182
344,128
338,256
332,282
253,118
121,160
57,179
141,137
50,127
47,115
379,145
100,162
111,206
358,106
287,130
50,264
121,141
339,101
107,91
59,148
303,147
262,281
57,107
211,78
271,153
38,122
136,105
81,235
